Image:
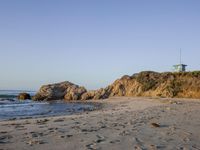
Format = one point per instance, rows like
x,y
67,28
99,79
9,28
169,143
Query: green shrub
x,y
148,80
195,73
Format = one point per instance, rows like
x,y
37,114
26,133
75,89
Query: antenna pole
x,y
180,56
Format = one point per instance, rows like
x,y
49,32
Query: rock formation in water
x,y
147,84
23,96
64,90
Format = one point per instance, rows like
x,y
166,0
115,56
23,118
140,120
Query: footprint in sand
x,y
65,136
77,122
50,130
58,120
92,146
3,132
156,125
100,139
5,139
137,141
114,141
153,147
33,142
20,127
41,122
125,133
36,134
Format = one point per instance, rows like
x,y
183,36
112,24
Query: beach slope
x,y
121,123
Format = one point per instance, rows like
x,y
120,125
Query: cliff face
x,y
153,84
150,84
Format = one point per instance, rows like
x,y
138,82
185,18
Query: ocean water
x,y
11,108
13,93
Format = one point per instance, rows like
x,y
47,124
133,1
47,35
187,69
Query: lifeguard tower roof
x,y
180,68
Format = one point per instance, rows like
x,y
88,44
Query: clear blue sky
x,y
94,42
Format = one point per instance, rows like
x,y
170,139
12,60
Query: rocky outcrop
x,y
74,93
64,90
153,84
95,94
23,96
146,84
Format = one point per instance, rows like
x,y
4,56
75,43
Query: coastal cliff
x,y
146,84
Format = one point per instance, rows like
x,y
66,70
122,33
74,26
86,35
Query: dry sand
x,y
121,124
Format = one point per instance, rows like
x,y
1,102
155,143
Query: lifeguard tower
x,y
180,67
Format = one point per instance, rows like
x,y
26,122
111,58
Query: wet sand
x,y
122,123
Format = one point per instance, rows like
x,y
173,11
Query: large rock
x,y
74,93
97,94
64,90
23,96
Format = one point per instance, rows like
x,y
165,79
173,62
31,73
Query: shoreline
x,y
44,109
120,123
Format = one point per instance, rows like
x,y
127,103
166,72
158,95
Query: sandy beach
x,y
121,123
